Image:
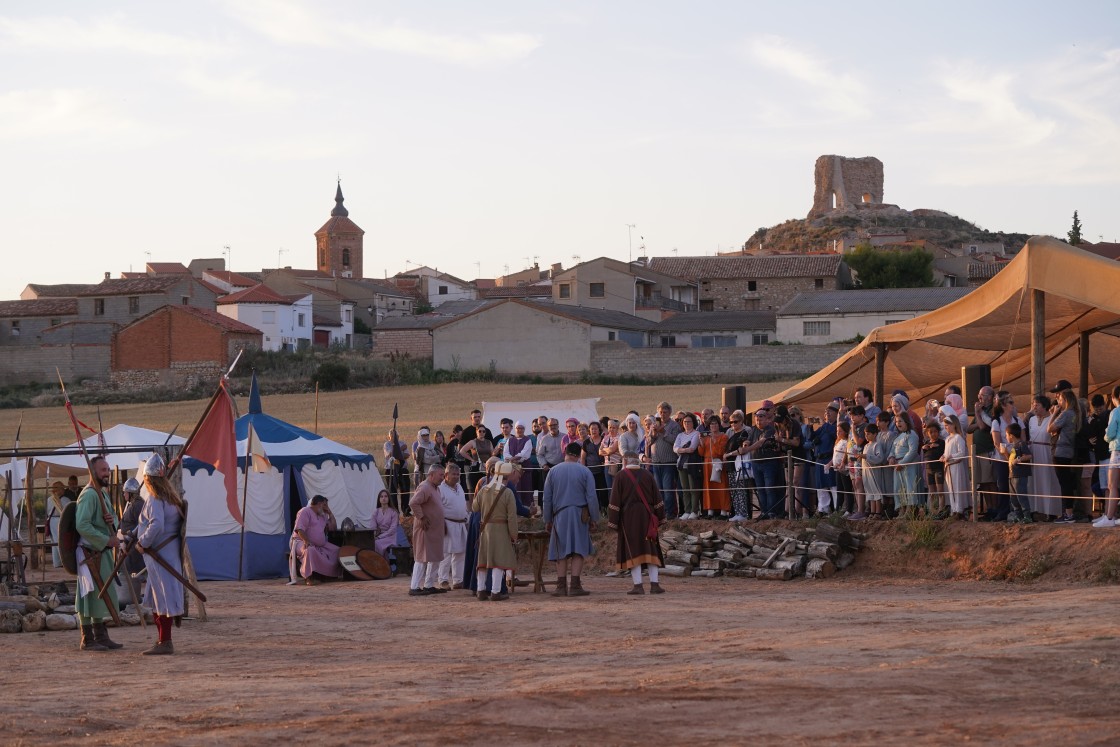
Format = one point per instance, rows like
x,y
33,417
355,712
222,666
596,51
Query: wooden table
x,y
537,542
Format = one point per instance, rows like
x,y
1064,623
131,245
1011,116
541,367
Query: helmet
x,y
131,486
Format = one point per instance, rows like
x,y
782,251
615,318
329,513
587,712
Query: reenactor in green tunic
x,y
95,522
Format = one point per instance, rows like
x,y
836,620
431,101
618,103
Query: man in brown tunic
x,y
498,533
635,512
427,534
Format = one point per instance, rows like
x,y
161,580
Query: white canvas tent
x,y
1071,292
303,464
584,409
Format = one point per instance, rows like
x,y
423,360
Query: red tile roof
x,y
1108,249
259,293
43,307
215,319
339,224
132,286
167,268
60,290
727,268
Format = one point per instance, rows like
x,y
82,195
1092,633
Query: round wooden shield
x,y
348,557
374,564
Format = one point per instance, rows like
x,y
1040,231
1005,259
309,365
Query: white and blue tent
x,y
303,465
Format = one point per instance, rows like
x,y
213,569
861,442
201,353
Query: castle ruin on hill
x,y
846,184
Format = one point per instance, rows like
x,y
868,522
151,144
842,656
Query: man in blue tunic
x,y
570,508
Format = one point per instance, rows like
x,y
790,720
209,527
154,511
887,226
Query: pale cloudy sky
x,y
498,133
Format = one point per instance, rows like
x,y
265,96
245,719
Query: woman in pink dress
x,y
309,541
384,524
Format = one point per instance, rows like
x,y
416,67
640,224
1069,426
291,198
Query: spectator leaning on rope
x,y
983,447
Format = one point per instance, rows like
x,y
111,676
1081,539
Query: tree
x,y
1075,232
886,269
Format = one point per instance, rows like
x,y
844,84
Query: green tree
x,y
885,269
1075,232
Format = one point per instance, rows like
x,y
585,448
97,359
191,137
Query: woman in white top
x,y
1006,414
1046,493
956,469
689,467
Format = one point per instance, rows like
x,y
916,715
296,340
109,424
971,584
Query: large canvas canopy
x,y
561,409
992,325
303,464
143,440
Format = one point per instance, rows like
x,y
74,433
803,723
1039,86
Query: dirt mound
x,y
947,550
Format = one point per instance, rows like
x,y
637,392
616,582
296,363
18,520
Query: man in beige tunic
x,y
427,534
497,506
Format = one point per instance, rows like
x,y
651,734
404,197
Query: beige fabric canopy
x,y
992,325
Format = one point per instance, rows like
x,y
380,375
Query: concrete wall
x,y
284,326
841,326
619,359
26,364
517,339
30,328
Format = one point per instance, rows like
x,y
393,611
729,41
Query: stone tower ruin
x,y
846,184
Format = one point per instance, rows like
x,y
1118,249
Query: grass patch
x,y
1108,572
925,534
1037,566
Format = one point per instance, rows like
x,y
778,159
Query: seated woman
x,y
310,548
384,525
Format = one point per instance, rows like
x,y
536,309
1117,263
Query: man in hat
x,y
454,501
130,519
497,506
635,512
95,523
569,492
1061,386
427,534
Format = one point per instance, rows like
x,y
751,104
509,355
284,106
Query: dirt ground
x,y
901,648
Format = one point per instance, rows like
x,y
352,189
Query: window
x,y
565,290
443,290
597,290
713,341
345,257
301,320
668,341
15,328
268,317
99,307
752,285
611,336
55,322
134,304
347,314
816,329
760,339
186,300
322,256
819,283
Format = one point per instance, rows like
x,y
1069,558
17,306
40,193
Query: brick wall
x,y
793,361
416,342
25,365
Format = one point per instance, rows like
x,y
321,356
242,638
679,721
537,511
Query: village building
x,y
747,283
715,329
821,318
178,346
122,301
333,315
339,244
630,288
285,322
432,287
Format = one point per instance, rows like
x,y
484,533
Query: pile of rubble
x,y
780,554
31,608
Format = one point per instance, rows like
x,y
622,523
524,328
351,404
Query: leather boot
x,y
577,589
101,635
561,587
89,643
163,648
637,591
655,588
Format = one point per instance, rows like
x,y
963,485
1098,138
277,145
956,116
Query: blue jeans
x,y
769,477
666,476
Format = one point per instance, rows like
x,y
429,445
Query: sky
x,y
479,136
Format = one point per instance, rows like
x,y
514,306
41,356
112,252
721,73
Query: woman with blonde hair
x,y
1064,425
161,531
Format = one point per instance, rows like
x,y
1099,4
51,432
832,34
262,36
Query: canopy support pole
x,y
1038,341
1083,361
880,371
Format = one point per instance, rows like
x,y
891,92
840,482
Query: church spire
x,y
339,210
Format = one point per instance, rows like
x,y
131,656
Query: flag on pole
x,y
256,453
215,443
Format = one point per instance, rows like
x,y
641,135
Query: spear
x,y
12,500
395,475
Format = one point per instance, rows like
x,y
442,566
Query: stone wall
x,y
848,180
792,361
21,364
416,342
770,294
181,375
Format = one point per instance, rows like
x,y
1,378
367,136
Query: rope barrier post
x,y
790,487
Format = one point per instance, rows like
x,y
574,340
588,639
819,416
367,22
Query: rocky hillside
x,y
853,227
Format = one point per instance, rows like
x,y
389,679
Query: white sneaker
x,y
736,518
690,517
1104,522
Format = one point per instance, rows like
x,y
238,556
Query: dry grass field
x,y
360,418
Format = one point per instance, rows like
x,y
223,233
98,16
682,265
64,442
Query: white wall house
x,y
285,322
336,331
837,316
